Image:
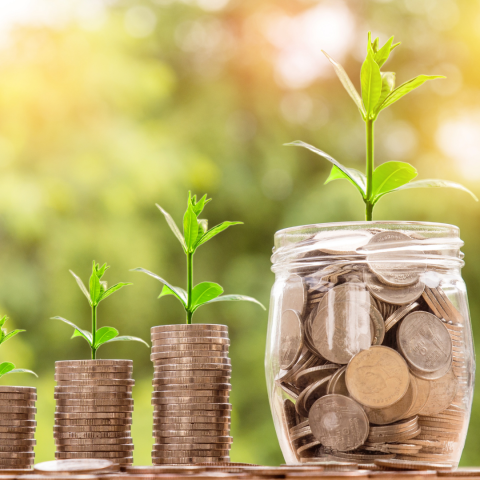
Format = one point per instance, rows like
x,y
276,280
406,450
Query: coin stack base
x,y
191,394
17,427
94,406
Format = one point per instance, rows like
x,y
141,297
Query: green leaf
x,y
82,286
405,88
200,205
347,84
166,290
190,228
95,288
6,367
104,334
100,270
236,298
371,82
127,338
337,174
215,231
178,292
382,54
78,332
204,292
173,226
113,289
3,320
356,177
389,176
21,370
10,335
435,183
388,84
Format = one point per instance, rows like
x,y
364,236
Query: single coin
x,y
393,295
203,367
17,403
377,377
337,385
25,390
92,421
62,436
310,395
17,442
338,422
217,427
188,327
461,472
294,295
12,409
377,326
94,447
94,402
187,461
93,408
164,356
394,428
341,243
196,406
29,454
191,387
163,394
194,373
185,340
92,369
187,347
12,423
384,416
196,439
191,380
92,395
160,413
442,392
424,342
8,418
413,465
18,396
91,428
291,338
389,257
17,432
93,440
102,362
65,377
191,453
92,455
97,382
77,415
160,433
188,402
311,375
344,308
399,314
422,389
185,446
199,419
193,360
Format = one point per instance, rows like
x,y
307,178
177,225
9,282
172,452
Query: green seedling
x,y
378,93
195,233
9,367
98,292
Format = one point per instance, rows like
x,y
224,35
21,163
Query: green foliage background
x,y
96,126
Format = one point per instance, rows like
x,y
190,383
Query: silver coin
x,y
394,295
294,295
291,338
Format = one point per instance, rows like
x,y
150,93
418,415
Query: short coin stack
x,y
17,426
191,394
94,406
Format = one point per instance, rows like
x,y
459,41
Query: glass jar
x,y
369,349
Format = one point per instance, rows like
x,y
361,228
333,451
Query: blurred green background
x,y
107,107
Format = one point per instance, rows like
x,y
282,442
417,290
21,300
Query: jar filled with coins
x,y
369,350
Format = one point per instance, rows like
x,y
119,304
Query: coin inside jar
x,y
338,422
441,394
424,342
377,377
294,295
291,339
390,294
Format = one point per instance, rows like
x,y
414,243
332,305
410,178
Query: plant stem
x,y
370,166
189,286
94,330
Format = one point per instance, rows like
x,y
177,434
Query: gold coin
x,y
196,439
95,448
163,447
395,428
377,377
189,327
192,386
189,460
191,392
413,465
308,397
157,433
92,421
93,415
203,367
311,375
164,356
18,403
93,408
95,382
186,347
9,455
10,417
24,390
189,401
91,428
92,395
191,453
224,427
12,409
17,432
17,442
9,423
422,392
109,369
18,396
185,340
442,392
91,455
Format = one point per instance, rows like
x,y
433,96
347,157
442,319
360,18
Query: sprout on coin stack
x,y
94,404
192,367
17,415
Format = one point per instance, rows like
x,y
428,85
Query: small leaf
x,y
104,334
204,292
3,320
100,269
435,183
236,298
166,290
356,177
405,88
388,84
190,228
337,174
371,82
127,338
21,370
381,55
95,288
200,205
113,289
347,84
82,286
180,293
6,367
78,331
172,225
11,334
389,176
215,231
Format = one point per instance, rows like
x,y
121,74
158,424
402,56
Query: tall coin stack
x,y
94,406
191,394
17,426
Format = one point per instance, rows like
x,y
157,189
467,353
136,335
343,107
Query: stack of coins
x,y
374,356
94,406
17,426
191,394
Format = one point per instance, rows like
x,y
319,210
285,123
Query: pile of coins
x,y
17,427
191,394
373,353
94,406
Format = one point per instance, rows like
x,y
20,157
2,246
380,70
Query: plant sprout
x,y
195,233
97,292
378,93
9,367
